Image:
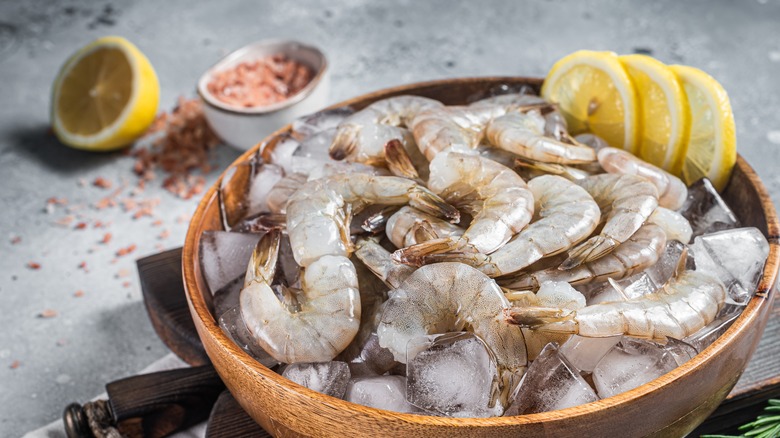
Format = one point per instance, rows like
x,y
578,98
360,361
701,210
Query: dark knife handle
x,y
151,405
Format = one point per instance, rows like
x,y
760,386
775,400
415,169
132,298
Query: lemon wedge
x,y
105,96
664,119
595,94
712,148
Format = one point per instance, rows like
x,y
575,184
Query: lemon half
x,y
595,94
664,119
712,150
105,96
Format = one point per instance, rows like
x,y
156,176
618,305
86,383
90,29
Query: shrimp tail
x,y
423,231
398,161
428,202
567,172
344,144
262,263
422,253
542,318
595,248
522,282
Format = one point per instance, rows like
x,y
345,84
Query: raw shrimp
x,y
402,226
637,253
680,308
318,214
523,134
674,224
461,128
362,136
538,168
495,196
672,192
565,215
446,297
626,201
381,263
309,325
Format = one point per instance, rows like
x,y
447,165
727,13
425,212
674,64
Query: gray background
x,y
105,334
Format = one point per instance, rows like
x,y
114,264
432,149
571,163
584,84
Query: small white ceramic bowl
x,y
244,127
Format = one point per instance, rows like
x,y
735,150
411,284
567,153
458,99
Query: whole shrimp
x,y
318,213
403,226
523,134
495,196
461,128
447,297
362,136
626,201
640,251
680,308
565,214
310,325
672,192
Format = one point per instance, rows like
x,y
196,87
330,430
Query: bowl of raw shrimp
x,y
670,405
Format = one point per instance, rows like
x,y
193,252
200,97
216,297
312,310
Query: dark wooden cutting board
x,y
163,291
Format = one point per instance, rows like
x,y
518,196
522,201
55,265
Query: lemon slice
x,y
664,119
712,143
595,94
105,96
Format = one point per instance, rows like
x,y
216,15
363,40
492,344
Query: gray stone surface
x,y
105,334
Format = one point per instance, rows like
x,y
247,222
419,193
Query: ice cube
x,y
227,297
308,125
712,331
630,288
551,383
706,210
382,392
736,257
631,363
681,351
224,256
265,178
667,263
282,152
370,359
584,353
452,374
316,147
329,378
232,324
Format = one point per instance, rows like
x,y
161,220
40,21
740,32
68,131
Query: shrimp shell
x,y
626,201
523,134
672,192
637,253
680,308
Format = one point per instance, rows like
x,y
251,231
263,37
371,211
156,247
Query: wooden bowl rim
x,y
199,307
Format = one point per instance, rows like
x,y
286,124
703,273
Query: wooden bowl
x,y
671,405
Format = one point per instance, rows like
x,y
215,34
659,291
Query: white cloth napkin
x,y
56,429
